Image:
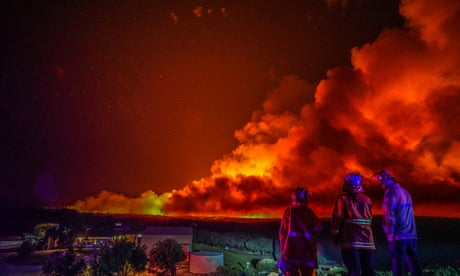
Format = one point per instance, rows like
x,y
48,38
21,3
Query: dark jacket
x,y
351,221
297,234
398,214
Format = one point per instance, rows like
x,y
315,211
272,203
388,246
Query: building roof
x,y
168,230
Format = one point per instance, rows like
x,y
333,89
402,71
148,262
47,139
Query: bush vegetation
x,y
254,255
166,254
64,263
255,243
124,258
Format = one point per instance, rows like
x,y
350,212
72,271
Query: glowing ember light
x,y
252,160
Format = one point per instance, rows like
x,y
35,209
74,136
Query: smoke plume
x,y
397,108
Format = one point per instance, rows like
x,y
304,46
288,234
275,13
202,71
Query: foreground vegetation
x,y
242,263
235,265
122,258
249,247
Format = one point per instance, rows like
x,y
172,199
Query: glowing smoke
x,y
107,202
396,108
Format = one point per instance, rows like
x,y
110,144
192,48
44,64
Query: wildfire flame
x,y
397,108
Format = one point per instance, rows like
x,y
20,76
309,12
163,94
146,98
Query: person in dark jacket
x,y
298,231
351,227
399,225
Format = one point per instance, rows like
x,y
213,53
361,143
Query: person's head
x,y
300,195
352,183
385,178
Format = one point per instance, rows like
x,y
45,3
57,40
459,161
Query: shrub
x,y
64,264
123,258
228,271
258,245
166,254
266,265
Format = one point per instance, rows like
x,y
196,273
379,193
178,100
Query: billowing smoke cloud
x,y
397,107
108,202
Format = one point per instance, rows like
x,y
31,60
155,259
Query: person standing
x,y
351,227
298,231
399,225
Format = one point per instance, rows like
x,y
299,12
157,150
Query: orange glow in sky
x,y
396,107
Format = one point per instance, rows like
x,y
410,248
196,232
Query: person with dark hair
x,y
399,225
298,232
351,227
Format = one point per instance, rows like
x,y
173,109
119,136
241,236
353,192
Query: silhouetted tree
x,y
138,259
123,258
166,254
63,264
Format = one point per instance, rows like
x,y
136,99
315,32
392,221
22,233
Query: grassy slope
x,y
438,243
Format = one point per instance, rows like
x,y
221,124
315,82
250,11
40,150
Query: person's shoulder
x,y
403,190
390,191
393,187
287,209
364,195
398,188
310,210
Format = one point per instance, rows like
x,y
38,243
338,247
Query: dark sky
x,y
132,96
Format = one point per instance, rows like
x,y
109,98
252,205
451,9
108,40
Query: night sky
x,y
222,107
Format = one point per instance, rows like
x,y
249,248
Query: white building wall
x,y
205,262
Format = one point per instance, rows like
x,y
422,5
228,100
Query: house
x,y
104,236
182,234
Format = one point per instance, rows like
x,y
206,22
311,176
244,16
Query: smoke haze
x,y
397,108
